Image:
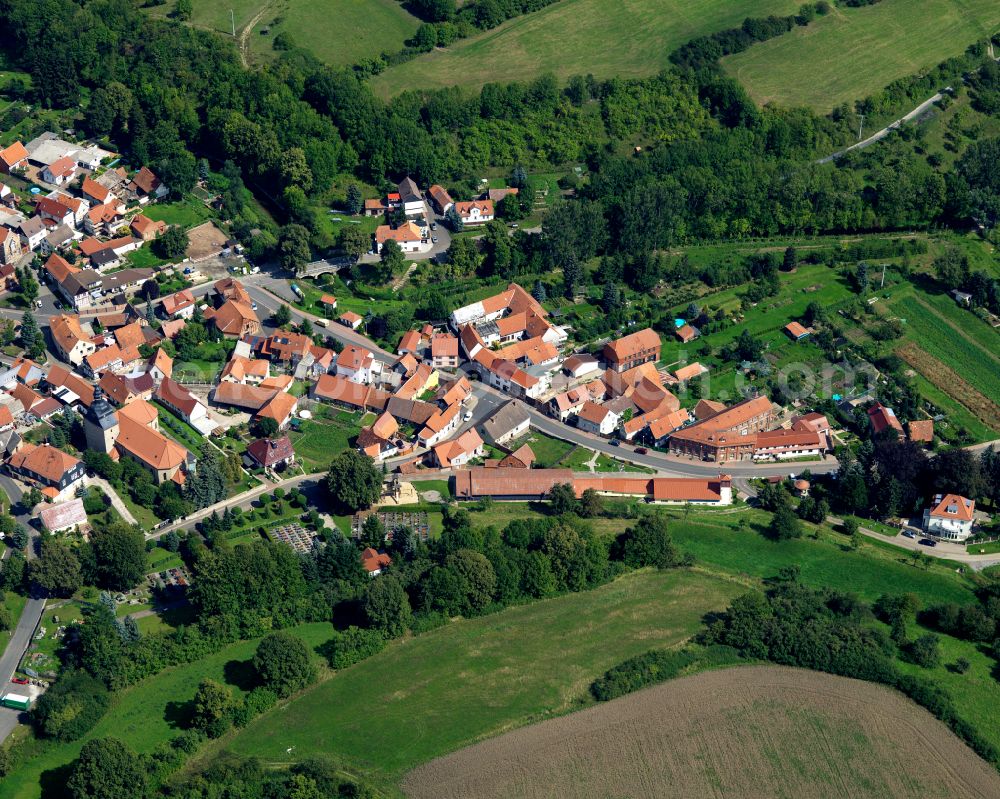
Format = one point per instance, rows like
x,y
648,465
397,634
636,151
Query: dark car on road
x,y
641,450
927,542
615,442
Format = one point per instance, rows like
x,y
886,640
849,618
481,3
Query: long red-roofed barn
x,y
534,484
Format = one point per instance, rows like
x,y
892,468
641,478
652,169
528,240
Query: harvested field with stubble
x,y
747,733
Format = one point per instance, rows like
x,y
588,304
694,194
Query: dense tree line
x,y
114,558
165,92
889,477
704,52
826,630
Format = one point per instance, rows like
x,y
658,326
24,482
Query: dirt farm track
x,y
746,733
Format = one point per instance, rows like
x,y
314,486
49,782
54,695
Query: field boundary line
x,y
930,309
954,386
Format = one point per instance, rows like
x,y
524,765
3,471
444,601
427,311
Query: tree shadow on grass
x,y
179,715
241,674
763,530
53,782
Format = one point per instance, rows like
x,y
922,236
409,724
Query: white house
x,y
784,444
60,171
950,516
356,364
33,231
440,426
410,198
408,236
475,212
580,365
594,418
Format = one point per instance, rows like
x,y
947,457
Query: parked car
x,y
615,442
927,542
641,450
467,416
19,680
909,534
434,225
253,306
434,239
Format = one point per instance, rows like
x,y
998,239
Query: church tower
x,y
100,424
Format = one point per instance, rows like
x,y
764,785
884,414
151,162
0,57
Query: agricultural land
x,y
575,37
752,731
854,52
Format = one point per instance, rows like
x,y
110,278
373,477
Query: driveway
x,y
442,234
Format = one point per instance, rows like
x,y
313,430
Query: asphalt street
x,y
664,464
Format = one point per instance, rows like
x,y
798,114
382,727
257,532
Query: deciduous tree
x,y
284,664
107,769
354,482
386,606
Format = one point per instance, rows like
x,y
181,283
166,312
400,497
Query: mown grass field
x,y
575,37
186,213
339,32
854,52
146,714
214,15
549,452
427,695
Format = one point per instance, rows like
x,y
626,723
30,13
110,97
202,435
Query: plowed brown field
x,y
747,733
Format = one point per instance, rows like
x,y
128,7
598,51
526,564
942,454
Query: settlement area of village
x,y
422,398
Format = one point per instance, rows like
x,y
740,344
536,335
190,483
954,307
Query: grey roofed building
x,y
100,412
87,280
125,278
31,227
48,148
413,411
103,258
510,418
60,236
80,282
408,190
9,441
10,219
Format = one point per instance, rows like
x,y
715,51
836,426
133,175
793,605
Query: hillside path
x,y
878,136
